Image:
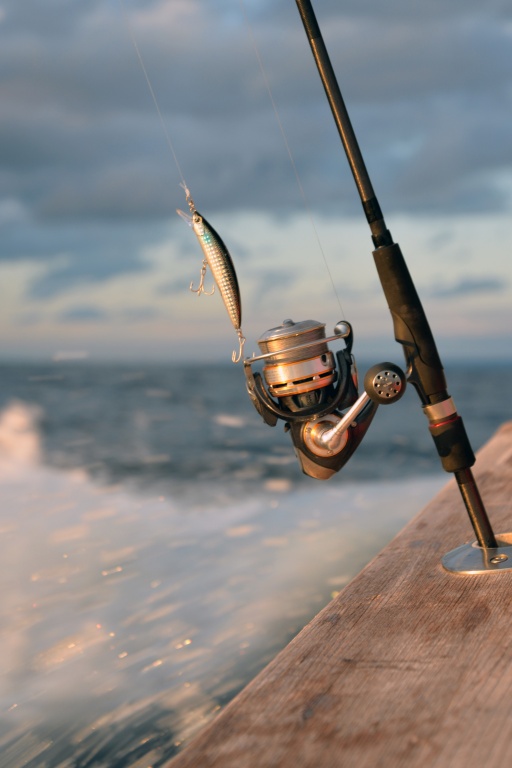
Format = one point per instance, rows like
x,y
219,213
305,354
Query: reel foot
x,y
474,559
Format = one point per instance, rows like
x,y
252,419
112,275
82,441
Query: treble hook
x,y
241,339
201,289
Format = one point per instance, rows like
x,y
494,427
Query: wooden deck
x,y
408,666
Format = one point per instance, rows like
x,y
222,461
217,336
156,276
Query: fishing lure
x,y
217,257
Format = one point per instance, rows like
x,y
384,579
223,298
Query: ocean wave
x,y
158,550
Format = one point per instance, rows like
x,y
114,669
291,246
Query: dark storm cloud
x,y
427,86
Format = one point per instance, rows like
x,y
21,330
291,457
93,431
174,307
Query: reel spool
x,y
308,387
298,361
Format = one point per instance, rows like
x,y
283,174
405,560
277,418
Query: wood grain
x,y
408,666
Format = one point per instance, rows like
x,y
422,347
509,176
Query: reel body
x,y
315,392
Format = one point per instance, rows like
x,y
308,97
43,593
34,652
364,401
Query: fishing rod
x,y
424,368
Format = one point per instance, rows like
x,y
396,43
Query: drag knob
x,y
384,383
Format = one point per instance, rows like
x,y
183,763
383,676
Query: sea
x,y
159,545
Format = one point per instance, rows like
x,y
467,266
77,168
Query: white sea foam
x,y
19,437
112,596
228,420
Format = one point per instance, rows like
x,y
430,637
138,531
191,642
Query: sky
x,y
94,261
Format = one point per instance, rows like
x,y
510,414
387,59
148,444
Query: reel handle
x,y
324,444
384,383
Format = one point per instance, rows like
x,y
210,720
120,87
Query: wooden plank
x,y
408,666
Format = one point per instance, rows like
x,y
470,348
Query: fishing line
x,y
152,92
305,199
216,255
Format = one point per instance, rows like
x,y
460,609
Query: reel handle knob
x,y
384,383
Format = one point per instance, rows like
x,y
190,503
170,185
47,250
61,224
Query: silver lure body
x,y
221,266
217,257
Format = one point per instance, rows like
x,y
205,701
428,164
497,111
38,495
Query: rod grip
x,y
410,324
452,444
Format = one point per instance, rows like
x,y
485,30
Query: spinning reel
x,y
316,392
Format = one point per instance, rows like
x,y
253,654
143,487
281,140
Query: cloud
x,y
88,181
73,272
80,136
29,318
77,255
139,314
82,314
173,287
89,313
271,283
469,286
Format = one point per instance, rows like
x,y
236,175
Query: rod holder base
x,y
474,559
